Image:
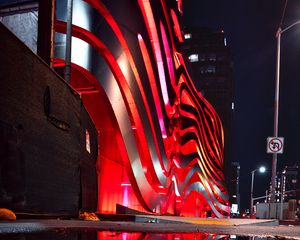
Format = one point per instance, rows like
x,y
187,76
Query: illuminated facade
x,y
160,143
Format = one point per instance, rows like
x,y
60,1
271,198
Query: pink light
x,y
124,236
151,27
168,53
125,184
125,197
154,89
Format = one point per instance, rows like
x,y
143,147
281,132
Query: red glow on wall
x,y
179,5
118,33
182,177
152,31
177,29
111,150
152,81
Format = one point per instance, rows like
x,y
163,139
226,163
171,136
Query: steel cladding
x,y
160,141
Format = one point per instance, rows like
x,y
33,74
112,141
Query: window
x,y
212,57
202,70
207,69
194,58
211,69
202,57
187,36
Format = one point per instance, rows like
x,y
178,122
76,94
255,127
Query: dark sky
x,y
250,27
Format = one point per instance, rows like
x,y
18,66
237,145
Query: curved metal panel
x,y
171,139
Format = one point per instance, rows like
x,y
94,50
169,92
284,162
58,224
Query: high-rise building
x,y
210,65
291,183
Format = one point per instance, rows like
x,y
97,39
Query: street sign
x,y
275,144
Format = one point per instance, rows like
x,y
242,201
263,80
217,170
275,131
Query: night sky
x,y
250,27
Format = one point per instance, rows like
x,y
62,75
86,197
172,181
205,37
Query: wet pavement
x,y
241,227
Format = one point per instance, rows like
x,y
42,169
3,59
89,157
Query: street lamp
x,y
276,106
262,169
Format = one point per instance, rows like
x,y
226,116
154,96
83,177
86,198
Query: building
x,y
210,65
160,143
234,187
287,196
288,184
291,183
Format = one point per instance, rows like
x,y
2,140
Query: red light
x,y
162,63
125,184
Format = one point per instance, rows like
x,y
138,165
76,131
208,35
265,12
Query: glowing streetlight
x,y
261,169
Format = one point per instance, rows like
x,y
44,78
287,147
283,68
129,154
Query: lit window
x,y
207,69
211,69
202,57
194,58
294,180
202,70
212,57
225,42
187,36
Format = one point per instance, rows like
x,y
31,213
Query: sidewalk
x,y
215,221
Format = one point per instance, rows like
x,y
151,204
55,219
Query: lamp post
x,y
262,169
280,31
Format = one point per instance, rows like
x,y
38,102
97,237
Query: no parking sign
x,y
275,144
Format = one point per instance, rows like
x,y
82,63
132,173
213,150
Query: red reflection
x,y
157,236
